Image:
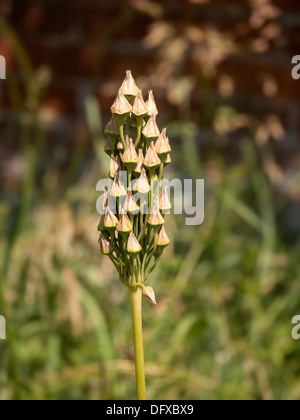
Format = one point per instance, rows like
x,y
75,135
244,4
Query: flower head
x,y
151,105
155,218
133,245
152,159
138,168
129,87
151,131
112,128
130,157
121,106
105,245
162,145
139,108
162,239
114,166
164,200
136,145
110,220
124,225
149,294
142,184
117,189
131,205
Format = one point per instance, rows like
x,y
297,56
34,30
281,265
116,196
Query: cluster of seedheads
x,y
133,239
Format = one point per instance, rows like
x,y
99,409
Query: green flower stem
x,y
160,171
147,241
136,225
136,310
129,173
121,119
139,121
144,265
127,129
113,145
145,223
118,262
142,226
152,267
151,174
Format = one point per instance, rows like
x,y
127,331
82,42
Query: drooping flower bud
x,y
139,108
129,87
149,294
151,130
162,145
151,105
142,184
131,205
124,225
108,146
117,189
114,166
110,220
105,245
121,106
130,157
155,219
162,239
164,201
139,166
112,128
152,159
133,245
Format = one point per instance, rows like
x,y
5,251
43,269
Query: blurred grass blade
x,y
93,308
179,336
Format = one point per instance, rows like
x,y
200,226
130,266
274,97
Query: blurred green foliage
x,y
227,290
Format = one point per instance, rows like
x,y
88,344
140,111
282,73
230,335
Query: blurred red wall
x,y
238,51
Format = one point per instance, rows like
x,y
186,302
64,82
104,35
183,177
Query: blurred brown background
x,y
205,52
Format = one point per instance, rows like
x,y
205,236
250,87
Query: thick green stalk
x,y
121,119
136,310
139,121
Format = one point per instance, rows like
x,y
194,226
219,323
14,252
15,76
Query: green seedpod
x,y
133,245
124,226
105,245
